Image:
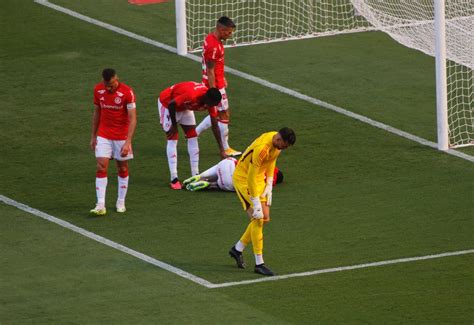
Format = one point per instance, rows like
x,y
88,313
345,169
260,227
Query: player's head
x,y
110,79
224,28
284,138
212,97
277,176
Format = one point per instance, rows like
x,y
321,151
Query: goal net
x,y
409,22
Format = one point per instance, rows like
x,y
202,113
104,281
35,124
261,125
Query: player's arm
x,y
132,118
217,132
267,193
95,127
174,125
211,73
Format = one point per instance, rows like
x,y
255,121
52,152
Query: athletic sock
x,y
256,232
204,125
224,128
239,246
193,150
122,188
172,153
258,259
100,189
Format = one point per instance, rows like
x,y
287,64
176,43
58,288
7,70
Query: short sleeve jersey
x,y
213,50
113,123
187,96
258,160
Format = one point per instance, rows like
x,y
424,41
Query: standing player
x,y
213,76
256,196
113,125
219,177
175,106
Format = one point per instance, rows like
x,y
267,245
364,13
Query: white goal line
x,y
259,81
201,281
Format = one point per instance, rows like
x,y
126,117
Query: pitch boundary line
x,y
201,281
259,81
105,241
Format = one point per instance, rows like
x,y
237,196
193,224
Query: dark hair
x,y
212,97
226,22
108,74
288,135
279,177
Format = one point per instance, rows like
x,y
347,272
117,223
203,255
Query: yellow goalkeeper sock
x,y
246,237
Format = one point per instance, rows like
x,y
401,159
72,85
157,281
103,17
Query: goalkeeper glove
x,y
267,193
257,208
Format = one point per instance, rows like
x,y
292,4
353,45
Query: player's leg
x,y
123,174
171,145
256,234
188,123
103,152
236,251
204,125
223,122
225,172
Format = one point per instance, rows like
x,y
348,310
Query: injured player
x,y
220,177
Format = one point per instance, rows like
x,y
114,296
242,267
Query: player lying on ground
x,y
219,177
255,194
176,105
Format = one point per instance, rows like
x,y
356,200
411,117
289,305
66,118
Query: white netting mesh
x,y
271,20
410,22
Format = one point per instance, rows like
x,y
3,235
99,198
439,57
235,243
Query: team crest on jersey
x,y
118,100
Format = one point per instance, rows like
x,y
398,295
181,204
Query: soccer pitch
x,y
353,194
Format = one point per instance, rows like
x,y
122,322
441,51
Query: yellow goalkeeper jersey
x,y
258,160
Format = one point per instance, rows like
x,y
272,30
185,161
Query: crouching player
x,y
176,105
219,177
256,194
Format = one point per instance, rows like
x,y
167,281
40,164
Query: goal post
x,y
440,28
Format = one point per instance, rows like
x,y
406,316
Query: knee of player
x,y
191,133
172,136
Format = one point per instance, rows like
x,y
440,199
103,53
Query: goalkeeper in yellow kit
x,y
255,193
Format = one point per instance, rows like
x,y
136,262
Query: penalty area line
x,y
260,81
105,241
201,281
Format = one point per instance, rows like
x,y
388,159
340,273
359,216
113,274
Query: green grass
x,y
352,193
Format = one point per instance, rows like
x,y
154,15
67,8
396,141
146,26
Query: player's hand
x,y
126,149
93,143
267,193
257,208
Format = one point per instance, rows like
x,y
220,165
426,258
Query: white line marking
x,y
344,268
106,241
202,281
260,81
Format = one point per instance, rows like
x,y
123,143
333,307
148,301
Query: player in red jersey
x,y
113,125
176,105
213,76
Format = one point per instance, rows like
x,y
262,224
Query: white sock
x,y
172,154
193,150
224,128
240,246
100,187
210,172
204,125
122,188
258,259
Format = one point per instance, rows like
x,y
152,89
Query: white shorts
x,y
225,171
224,103
184,118
106,148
